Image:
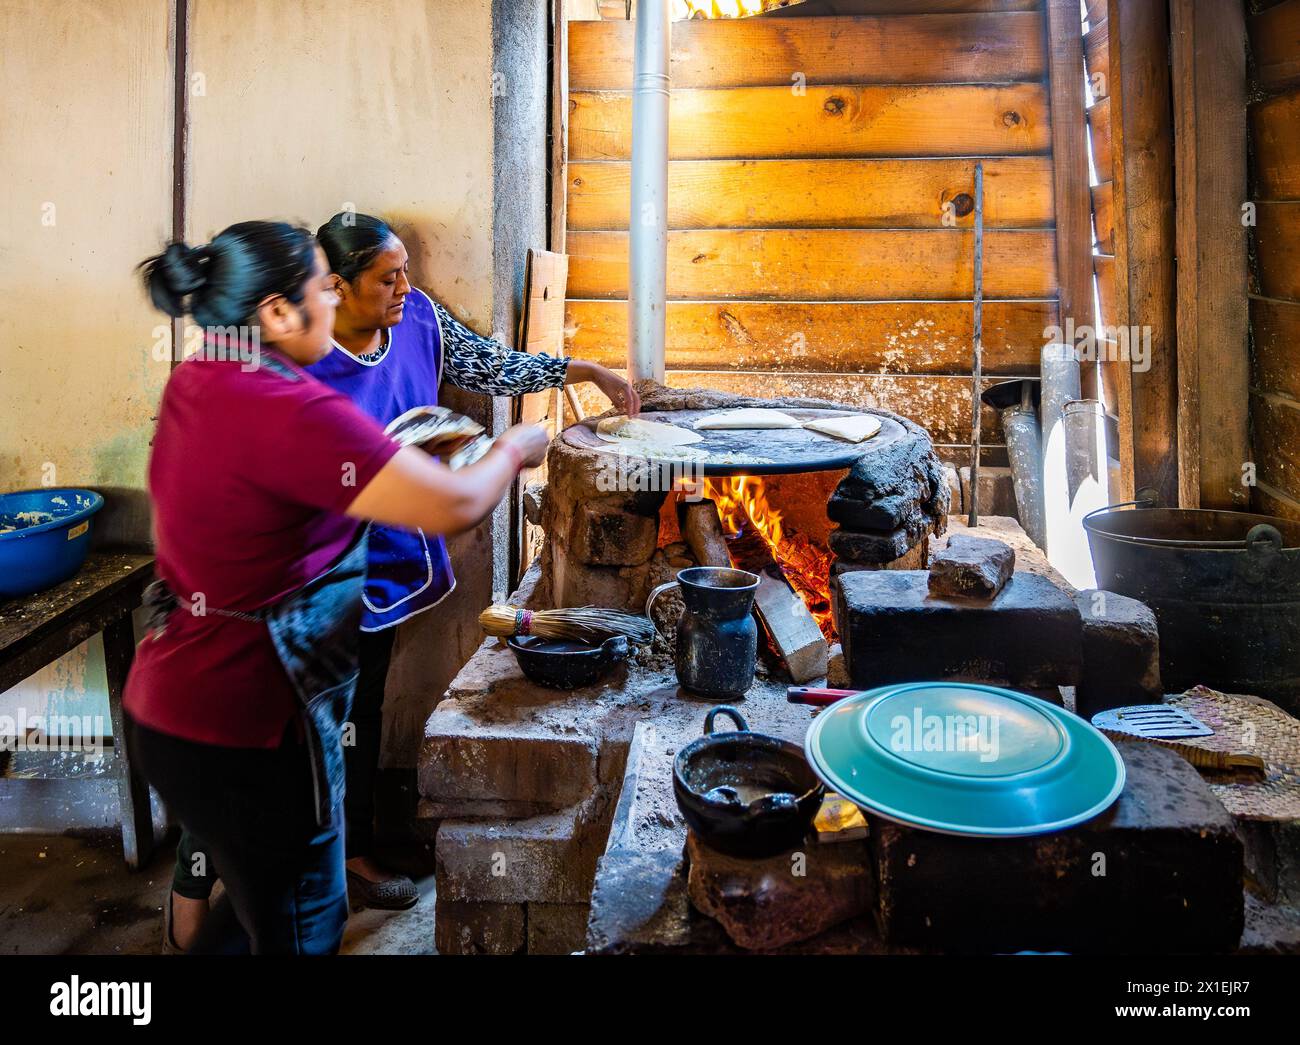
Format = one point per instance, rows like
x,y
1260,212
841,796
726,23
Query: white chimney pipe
x,y
647,286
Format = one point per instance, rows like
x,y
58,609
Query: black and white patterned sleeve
x,y
479,364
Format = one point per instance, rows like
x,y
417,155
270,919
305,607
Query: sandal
x,y
395,894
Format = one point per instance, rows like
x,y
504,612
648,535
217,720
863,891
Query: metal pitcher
x,y
717,637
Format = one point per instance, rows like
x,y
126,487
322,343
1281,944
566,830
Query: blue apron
x,y
409,570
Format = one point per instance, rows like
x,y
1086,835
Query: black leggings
x,y
251,813
196,873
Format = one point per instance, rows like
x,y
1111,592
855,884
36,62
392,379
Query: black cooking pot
x,y
563,664
743,793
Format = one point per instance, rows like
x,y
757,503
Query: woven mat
x,y
1257,727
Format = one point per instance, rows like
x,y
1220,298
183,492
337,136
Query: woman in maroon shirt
x,y
260,477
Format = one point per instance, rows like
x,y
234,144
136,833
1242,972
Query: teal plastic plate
x,y
965,759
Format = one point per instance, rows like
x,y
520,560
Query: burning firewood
x,y
702,530
793,632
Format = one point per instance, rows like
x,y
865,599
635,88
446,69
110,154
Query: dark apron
x,y
316,633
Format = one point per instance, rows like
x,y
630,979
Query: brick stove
x,y
520,782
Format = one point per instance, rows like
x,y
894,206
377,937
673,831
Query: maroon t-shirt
x,y
249,475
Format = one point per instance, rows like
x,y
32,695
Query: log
x,y
702,532
791,629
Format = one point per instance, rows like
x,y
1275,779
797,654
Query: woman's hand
x,y
528,441
618,390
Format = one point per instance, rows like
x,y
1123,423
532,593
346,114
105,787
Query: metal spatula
x,y
1151,722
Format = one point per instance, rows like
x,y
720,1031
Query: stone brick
x,y
557,928
763,904
974,567
605,533
1121,653
888,513
464,927
574,583
461,760
550,858
893,630
874,548
1172,878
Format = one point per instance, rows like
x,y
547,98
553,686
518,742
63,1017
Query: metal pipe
x,y
647,285
977,368
1025,453
1060,384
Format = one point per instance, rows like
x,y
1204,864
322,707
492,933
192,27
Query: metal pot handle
x,y
649,602
725,709
1263,539
1146,498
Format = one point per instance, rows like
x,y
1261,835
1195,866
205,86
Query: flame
x,y
743,505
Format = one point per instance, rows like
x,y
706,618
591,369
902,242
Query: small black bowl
x,y
743,793
564,664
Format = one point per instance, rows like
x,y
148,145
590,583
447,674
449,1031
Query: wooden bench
x,y
38,629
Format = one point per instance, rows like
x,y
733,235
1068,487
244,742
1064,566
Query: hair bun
x,y
174,275
185,268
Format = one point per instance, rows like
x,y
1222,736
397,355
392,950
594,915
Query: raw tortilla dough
x,y
853,429
754,417
623,429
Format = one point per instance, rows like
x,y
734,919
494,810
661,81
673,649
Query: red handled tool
x,y
818,696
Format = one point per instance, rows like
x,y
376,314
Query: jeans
x,y
251,813
196,872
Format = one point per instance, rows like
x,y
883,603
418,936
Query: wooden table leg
x,y
132,789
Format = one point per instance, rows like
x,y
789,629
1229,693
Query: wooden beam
x,y
772,122
822,193
1141,129
1275,324
907,48
1277,248
823,264
1275,136
1070,162
1209,95
851,337
1275,42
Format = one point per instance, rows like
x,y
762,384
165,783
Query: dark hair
x,y
352,242
221,283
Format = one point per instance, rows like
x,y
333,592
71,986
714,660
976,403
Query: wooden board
x,y
541,320
1103,265
759,122
1095,11
913,48
823,264
1275,44
1099,128
1269,500
822,193
1275,137
1096,54
1070,162
918,337
1277,247
1137,113
941,405
1276,327
1209,95
1103,216
1276,421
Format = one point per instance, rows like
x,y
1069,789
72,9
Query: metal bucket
x,y
1225,589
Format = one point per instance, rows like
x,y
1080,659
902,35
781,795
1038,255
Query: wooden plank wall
x,y
812,164
1132,141
1275,306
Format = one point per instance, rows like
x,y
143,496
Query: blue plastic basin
x,y
44,537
